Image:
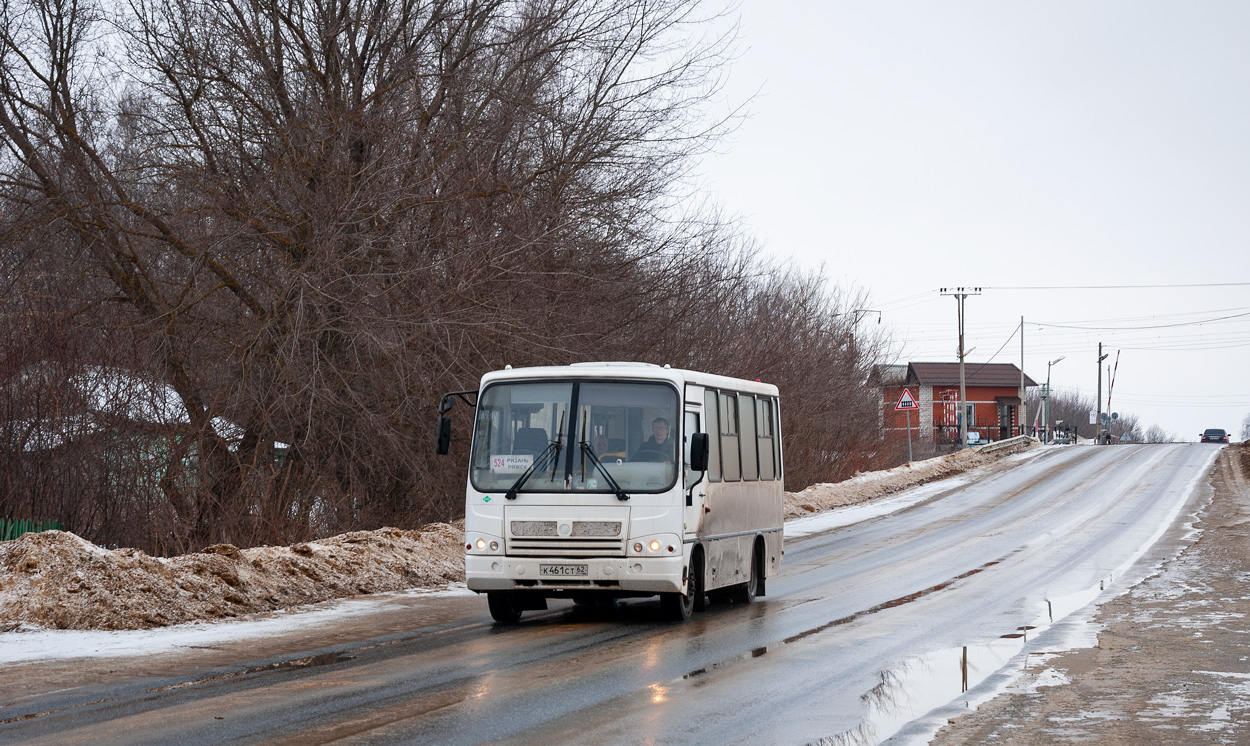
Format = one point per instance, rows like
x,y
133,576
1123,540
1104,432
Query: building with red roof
x,y
995,405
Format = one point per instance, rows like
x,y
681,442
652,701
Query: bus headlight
x,y
661,545
483,544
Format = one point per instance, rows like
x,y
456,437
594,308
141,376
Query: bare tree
x,y
307,219
1074,410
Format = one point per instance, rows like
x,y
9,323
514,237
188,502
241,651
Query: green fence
x,y
13,529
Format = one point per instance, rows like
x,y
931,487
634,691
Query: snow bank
x,y
56,580
876,484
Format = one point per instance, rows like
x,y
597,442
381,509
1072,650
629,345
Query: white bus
x,y
600,481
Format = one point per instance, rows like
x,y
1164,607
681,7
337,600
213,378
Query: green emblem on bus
x,y
486,499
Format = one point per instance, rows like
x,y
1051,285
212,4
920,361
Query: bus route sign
x,y
906,401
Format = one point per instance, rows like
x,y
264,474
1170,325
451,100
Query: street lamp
x,y
1052,362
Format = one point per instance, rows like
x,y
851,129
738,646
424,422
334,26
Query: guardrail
x,y
1007,443
949,434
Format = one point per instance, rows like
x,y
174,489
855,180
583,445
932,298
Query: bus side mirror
x,y
443,443
698,452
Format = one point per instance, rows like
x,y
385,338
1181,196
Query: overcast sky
x,y
912,146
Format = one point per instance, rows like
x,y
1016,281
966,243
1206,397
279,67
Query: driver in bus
x,y
603,448
659,447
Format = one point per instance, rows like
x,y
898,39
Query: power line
x,y
1000,349
1199,322
1174,397
907,299
1187,347
1120,287
1175,315
1128,400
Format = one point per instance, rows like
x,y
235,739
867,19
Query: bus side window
x,y
764,427
711,412
730,464
750,461
776,422
691,427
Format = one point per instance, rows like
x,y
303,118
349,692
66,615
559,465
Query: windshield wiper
x,y
594,459
540,462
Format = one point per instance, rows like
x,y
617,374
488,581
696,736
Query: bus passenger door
x,y
695,485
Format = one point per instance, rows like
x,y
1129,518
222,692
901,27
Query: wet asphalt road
x,y
869,627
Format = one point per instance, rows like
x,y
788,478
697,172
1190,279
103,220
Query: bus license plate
x,y
562,571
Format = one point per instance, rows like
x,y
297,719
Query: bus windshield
x,y
630,427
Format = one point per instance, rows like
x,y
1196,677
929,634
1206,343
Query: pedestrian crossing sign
x,y
906,401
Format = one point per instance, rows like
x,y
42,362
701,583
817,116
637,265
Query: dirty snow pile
x,y
876,484
56,580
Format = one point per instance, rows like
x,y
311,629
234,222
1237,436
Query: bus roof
x,y
631,371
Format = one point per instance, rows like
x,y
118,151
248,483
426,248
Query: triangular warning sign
x,y
906,401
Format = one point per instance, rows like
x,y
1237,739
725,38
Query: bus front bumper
x,y
602,574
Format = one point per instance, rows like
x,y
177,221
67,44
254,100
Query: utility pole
x,y
1098,366
1022,413
961,294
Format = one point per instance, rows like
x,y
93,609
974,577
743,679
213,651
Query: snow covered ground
x,y
32,644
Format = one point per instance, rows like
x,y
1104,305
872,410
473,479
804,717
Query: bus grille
x,y
567,546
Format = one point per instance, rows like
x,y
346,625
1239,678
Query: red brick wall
x,y
983,398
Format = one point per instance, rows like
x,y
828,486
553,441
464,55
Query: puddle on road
x,y
921,684
719,665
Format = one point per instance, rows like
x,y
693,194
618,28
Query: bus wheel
x,y
745,593
678,607
696,575
502,607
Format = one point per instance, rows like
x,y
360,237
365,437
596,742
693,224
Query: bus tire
x,y
745,593
697,579
677,607
503,609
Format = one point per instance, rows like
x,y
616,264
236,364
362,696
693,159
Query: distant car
x,y
1214,435
974,439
